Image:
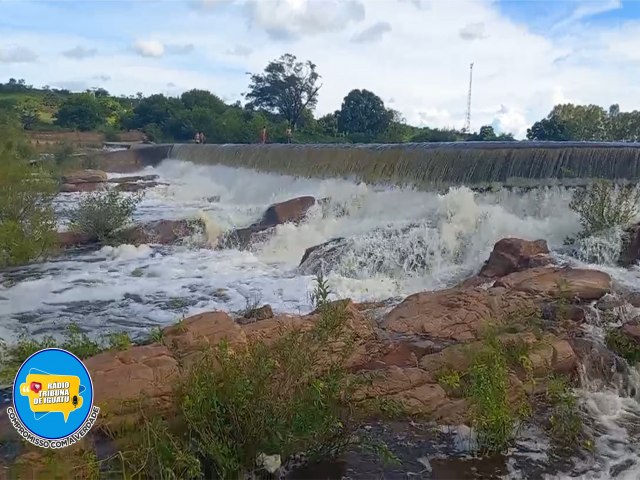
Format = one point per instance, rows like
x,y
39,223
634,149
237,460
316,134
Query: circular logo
x,y
53,399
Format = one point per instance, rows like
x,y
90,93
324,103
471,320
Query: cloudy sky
x,y
415,54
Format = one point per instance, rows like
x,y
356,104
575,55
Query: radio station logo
x,y
53,399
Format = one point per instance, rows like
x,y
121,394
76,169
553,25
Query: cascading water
x,y
395,241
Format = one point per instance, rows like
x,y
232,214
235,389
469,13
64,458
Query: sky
x,y
528,55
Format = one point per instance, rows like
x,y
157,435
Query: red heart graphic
x,y
36,387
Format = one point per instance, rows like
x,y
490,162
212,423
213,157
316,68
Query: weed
x,y
565,424
252,303
118,341
450,379
321,291
157,335
623,346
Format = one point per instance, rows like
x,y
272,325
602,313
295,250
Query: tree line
x,y
281,97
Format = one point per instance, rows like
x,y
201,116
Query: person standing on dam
x,y
289,134
263,135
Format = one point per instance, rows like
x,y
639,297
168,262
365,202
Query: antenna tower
x,y
467,124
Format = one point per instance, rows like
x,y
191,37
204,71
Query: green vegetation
x,y
74,341
26,192
624,346
100,215
565,424
603,206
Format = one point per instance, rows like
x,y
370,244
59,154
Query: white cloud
x,y
79,52
372,34
585,9
473,31
149,48
15,54
422,62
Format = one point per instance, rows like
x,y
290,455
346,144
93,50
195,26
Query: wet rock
x,y
85,176
74,239
323,257
135,187
600,365
133,179
291,211
457,314
162,232
630,253
513,255
257,314
570,283
82,187
632,331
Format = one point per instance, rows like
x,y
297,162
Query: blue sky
x,y
415,54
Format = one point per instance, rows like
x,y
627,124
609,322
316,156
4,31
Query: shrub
x,y
565,424
102,214
603,206
623,346
27,224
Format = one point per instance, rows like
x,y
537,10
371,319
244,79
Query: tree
x,y
80,111
328,124
28,111
287,87
363,112
552,129
26,192
202,99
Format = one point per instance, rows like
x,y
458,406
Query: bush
x,y
603,206
27,224
102,214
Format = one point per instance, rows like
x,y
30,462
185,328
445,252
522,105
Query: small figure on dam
x,y
289,134
197,138
263,135
203,139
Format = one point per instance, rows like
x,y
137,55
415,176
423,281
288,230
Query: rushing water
x,y
400,241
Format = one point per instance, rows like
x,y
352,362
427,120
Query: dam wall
x,y
424,165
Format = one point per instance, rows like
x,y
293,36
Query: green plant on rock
x,y
321,291
101,215
624,346
603,206
565,424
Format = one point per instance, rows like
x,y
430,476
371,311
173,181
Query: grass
x,y
565,425
623,346
74,341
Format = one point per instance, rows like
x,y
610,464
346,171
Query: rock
x,y
121,380
162,232
74,239
81,187
600,365
632,331
570,283
85,176
323,257
135,187
513,255
630,253
456,314
133,178
257,314
291,211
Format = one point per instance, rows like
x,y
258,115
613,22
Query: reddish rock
x,y
162,232
572,283
513,255
81,187
454,314
134,187
632,331
74,239
257,314
85,176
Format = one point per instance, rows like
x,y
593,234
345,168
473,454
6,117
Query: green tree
x,y
363,112
287,87
28,110
80,111
26,192
549,129
203,99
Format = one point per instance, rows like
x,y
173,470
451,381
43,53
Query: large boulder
x,y
290,211
74,239
82,187
630,253
133,179
161,232
134,186
513,255
85,176
323,257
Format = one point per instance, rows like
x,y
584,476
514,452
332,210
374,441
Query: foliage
x,y
552,129
623,346
81,111
26,216
101,214
287,87
363,112
321,291
565,424
74,341
603,206
487,134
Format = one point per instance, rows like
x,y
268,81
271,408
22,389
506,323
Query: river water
x,y
401,241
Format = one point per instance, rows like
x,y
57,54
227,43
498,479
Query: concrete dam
x,y
421,165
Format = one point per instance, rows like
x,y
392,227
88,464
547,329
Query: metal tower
x,y
467,124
